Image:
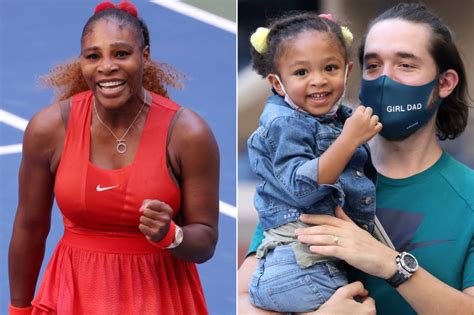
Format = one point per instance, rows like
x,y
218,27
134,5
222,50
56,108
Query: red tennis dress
x,y
103,264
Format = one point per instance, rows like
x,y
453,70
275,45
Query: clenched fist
x,y
155,219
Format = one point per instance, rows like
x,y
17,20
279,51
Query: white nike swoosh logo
x,y
98,188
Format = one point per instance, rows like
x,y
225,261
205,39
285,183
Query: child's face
x,y
312,68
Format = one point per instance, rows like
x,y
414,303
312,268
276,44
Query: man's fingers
x,y
320,239
352,290
341,214
370,304
328,250
320,219
320,230
369,301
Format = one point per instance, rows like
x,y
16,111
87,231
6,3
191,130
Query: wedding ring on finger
x,y
335,239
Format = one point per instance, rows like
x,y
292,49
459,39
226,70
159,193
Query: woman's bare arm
x,y
33,217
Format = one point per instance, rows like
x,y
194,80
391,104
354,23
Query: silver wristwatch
x,y
406,267
178,238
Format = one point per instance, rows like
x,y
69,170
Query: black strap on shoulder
x,y
171,126
65,108
168,138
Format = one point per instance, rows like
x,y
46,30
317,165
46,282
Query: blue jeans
x,y
280,284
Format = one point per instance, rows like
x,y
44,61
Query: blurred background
x,y
253,90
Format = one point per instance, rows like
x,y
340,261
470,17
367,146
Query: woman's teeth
x,y
110,84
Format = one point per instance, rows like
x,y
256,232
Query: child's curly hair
x,y
283,29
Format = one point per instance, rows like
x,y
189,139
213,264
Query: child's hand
x,y
361,126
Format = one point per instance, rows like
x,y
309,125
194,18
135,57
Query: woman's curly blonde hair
x,y
66,79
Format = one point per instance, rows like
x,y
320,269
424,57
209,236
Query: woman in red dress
x,y
134,174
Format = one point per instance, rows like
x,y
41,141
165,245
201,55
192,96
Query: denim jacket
x,y
284,152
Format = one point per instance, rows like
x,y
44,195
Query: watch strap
x,y
401,275
397,279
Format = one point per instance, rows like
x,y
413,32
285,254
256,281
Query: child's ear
x,y
146,53
349,68
276,84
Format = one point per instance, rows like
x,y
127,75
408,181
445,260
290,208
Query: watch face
x,y
179,236
409,263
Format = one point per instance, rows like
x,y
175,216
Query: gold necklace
x,y
121,145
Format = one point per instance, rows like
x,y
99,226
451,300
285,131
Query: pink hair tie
x,y
326,16
125,5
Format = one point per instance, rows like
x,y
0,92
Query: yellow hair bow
x,y
347,34
259,39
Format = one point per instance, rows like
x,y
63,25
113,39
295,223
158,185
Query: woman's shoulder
x,y
190,125
47,121
191,140
45,131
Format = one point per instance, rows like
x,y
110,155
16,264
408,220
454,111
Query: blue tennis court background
x,y
34,36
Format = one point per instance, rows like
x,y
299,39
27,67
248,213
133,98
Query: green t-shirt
x,y
430,215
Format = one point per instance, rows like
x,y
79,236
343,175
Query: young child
x,y
311,155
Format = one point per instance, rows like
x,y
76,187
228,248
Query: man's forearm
x,y
428,295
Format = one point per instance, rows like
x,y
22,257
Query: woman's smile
x,y
111,87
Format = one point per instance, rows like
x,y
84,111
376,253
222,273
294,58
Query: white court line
x,y
198,14
9,149
227,209
13,120
16,122
20,123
